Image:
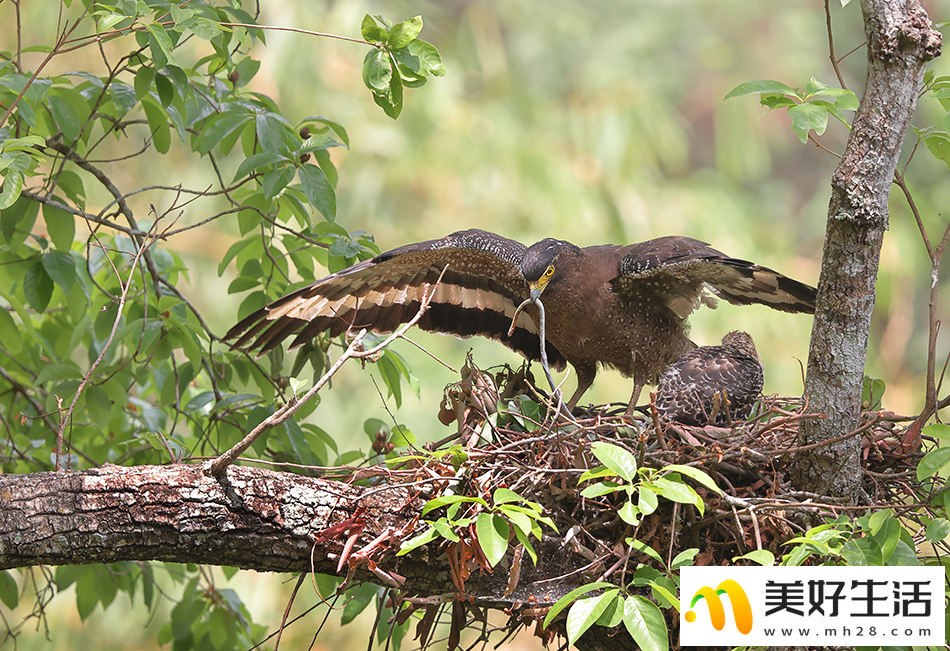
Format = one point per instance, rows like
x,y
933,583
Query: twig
x,y
831,46
297,30
67,415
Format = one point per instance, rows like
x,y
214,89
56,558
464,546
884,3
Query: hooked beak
x,y
537,287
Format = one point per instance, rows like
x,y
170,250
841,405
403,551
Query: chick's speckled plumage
x,y
712,385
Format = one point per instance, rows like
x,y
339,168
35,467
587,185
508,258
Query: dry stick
x,y
283,621
216,467
831,46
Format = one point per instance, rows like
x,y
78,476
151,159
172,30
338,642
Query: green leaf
x,y
685,557
360,597
932,463
760,86
695,474
504,495
86,595
872,392
72,185
937,431
158,123
665,595
601,488
861,552
616,458
402,436
271,130
887,537
444,529
938,530
647,502
221,128
185,613
676,491
596,473
160,45
645,623
61,268
38,286
65,116
12,185
772,101
629,513
612,615
391,99
492,533
371,31
939,147
9,593
521,520
320,193
165,89
258,162
276,180
53,372
205,29
106,588
246,69
446,500
10,333
847,101
377,71
417,541
402,33
60,225
569,598
903,556
585,613
760,556
143,82
421,57
391,378
644,548
806,117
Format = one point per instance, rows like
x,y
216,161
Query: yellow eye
x,y
549,271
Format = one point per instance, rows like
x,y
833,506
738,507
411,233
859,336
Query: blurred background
x,y
603,122
592,122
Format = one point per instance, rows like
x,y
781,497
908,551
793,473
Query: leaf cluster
x,y
493,523
401,60
808,106
642,486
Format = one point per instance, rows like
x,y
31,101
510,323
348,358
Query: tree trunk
x,y
900,41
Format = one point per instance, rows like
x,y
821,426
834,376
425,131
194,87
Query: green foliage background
x,y
592,123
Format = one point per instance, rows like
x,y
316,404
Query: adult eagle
x,y
619,306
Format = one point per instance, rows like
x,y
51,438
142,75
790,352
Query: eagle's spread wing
x,y
712,383
678,270
478,294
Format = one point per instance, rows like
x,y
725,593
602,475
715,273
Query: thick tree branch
x,y
252,519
